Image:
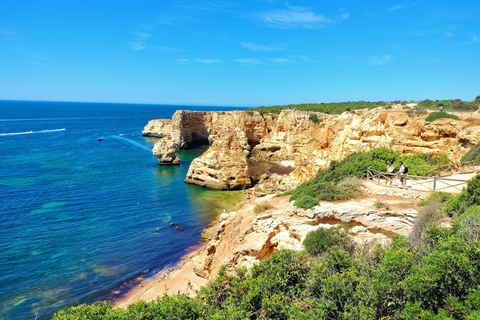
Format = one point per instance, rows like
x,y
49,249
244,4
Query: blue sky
x,y
240,53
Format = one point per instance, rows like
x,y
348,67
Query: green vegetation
x,y
458,205
340,180
437,276
473,154
440,115
314,118
261,207
319,241
441,160
382,204
334,107
456,104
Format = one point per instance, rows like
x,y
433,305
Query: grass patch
x,y
440,115
382,204
473,154
262,207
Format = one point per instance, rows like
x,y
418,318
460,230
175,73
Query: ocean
x,y
79,217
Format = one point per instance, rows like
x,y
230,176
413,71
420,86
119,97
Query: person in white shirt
x,y
390,173
401,173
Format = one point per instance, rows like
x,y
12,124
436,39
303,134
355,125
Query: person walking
x,y
390,173
402,173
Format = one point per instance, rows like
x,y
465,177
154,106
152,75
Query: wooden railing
x,y
422,183
452,168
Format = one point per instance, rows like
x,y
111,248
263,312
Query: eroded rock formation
x,y
285,227
237,137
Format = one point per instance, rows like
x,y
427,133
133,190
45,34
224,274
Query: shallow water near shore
x,y
79,216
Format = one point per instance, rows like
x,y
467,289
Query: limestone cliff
x,y
237,137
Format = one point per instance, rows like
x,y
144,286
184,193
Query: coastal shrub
x,y
473,154
440,115
468,197
441,197
306,202
441,160
333,107
388,107
314,118
455,104
468,225
431,212
318,241
262,207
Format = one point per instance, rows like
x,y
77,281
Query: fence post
x,y
404,181
379,178
434,184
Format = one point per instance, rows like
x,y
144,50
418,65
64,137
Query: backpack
x,y
406,169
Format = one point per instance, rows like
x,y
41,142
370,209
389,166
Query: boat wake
x,y
132,142
30,132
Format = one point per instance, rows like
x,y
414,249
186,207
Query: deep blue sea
x,y
80,217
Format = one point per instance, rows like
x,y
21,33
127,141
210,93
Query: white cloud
x,y
36,63
378,61
136,46
208,61
475,39
261,47
139,43
249,62
298,17
7,34
281,60
394,8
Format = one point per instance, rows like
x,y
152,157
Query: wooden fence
x,y
452,168
421,183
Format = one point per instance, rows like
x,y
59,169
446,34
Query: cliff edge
x,y
238,138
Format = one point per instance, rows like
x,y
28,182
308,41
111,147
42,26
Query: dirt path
x,y
452,184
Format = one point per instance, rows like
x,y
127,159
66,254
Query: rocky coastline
x,y
300,147
238,138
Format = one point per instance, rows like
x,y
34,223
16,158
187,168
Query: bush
x,y
468,197
456,104
440,160
441,197
306,202
440,115
469,225
473,154
431,212
262,207
314,118
333,107
318,241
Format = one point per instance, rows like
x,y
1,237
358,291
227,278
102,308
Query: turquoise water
x,y
79,217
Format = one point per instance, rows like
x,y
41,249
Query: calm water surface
x,y
78,216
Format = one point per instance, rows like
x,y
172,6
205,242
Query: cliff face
x,y
236,136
